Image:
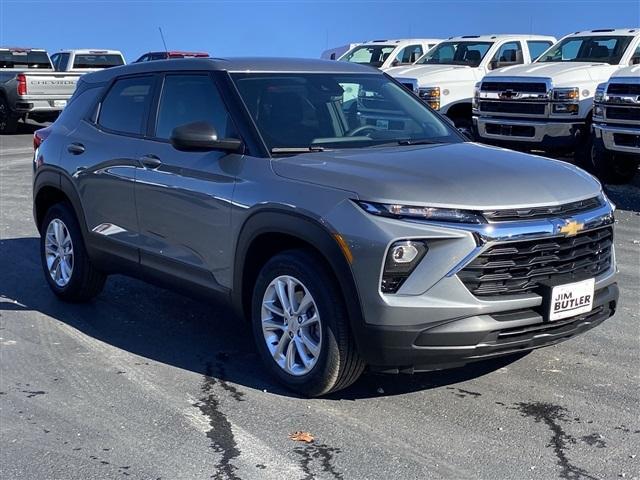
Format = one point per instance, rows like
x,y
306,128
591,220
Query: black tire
x,y
610,167
8,119
465,126
86,281
338,365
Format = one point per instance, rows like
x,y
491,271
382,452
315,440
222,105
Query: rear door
x,y
184,198
104,151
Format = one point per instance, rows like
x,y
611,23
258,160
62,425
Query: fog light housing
x,y
402,258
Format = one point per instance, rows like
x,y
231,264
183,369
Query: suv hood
x,y
463,175
560,73
435,74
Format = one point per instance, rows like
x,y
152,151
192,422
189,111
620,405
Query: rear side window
x,y
97,61
537,48
125,107
191,98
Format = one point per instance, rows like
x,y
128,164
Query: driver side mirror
x,y
201,137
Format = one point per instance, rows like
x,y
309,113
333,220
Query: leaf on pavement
x,y
301,437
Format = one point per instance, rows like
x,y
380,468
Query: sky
x,y
288,28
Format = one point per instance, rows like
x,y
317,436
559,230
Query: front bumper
x,y
464,340
618,138
540,134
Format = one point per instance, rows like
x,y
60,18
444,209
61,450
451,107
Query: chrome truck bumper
x,y
618,138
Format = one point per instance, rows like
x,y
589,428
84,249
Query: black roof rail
x,y
471,36
602,30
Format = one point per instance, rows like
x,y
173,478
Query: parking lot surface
x,y
147,384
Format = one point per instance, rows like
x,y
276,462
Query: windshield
x,y
24,59
369,54
457,53
302,110
601,49
97,61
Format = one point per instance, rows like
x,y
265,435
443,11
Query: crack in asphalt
x,y
552,415
220,434
323,454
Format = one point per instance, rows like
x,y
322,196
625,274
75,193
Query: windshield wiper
x,y
284,150
422,141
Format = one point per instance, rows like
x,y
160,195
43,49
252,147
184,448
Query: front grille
x,y
513,107
623,113
537,212
624,88
519,267
528,87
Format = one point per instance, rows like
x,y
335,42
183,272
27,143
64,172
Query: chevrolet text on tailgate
x,y
29,88
548,105
350,224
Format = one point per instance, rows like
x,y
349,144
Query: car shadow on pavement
x,y
156,324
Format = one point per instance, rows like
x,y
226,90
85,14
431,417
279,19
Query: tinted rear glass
x,y
125,107
97,61
24,59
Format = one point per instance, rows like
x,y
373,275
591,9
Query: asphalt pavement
x,y
144,383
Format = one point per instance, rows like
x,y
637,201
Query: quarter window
x,y
125,107
191,98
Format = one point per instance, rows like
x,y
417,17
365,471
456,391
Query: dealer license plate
x,y
60,103
571,299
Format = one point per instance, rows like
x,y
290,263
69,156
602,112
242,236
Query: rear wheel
x,y
67,267
301,325
8,119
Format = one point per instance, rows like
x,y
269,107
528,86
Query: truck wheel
x,y
8,120
611,167
301,325
67,267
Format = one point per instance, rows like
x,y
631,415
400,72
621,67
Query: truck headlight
x,y
600,91
566,94
402,258
431,214
431,96
566,108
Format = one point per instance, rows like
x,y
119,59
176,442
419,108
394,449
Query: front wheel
x,y
67,267
614,168
301,325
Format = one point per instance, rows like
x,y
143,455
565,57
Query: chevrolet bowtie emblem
x,y
571,228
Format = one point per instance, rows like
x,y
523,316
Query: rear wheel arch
x,y
51,187
269,232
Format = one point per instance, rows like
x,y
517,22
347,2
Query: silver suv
x,y
347,221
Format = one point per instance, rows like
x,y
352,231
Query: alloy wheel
x,y
59,252
291,325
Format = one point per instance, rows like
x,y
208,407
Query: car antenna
x,y
163,42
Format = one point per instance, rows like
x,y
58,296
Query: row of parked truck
x,y
578,96
37,86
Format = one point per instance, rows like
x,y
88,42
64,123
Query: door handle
x,y
75,148
150,161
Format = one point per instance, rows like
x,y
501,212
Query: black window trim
x,y
94,118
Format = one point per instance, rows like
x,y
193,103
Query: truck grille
x,y
623,113
528,87
624,88
518,267
513,107
537,212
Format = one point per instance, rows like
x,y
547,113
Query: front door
x,y
184,198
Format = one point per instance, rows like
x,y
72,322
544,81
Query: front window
x,y
369,54
457,53
306,110
537,48
97,61
24,59
601,49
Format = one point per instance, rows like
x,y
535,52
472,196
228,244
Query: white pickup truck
x,y
548,105
615,149
86,60
29,88
445,77
385,54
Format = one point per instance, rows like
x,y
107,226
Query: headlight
x,y
566,108
431,95
599,95
598,111
566,94
422,213
402,258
